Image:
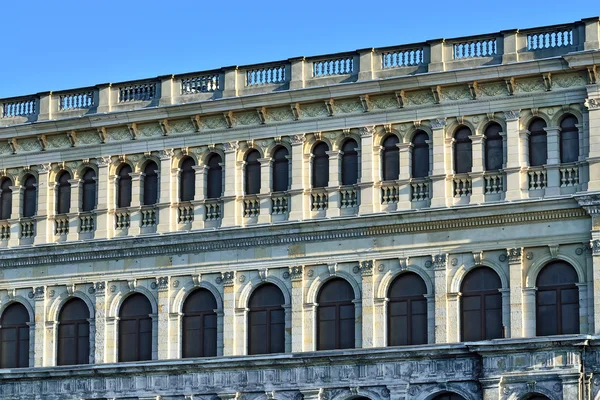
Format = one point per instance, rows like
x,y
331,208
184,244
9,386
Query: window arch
x,y
494,147
481,305
557,300
350,162
74,333
214,177
569,139
320,166
187,180
266,320
29,196
335,315
63,193
448,396
135,329
124,186
538,143
463,151
420,155
14,337
5,199
407,311
280,169
252,172
150,196
390,163
88,193
199,336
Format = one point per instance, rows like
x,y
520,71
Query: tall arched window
x,y
124,186
280,169
74,333
135,329
29,196
5,199
463,151
63,193
569,140
557,300
88,192
494,148
320,166
350,162
538,143
214,177
14,337
481,305
420,155
252,172
199,336
448,396
150,196
187,180
335,316
407,311
266,321
390,166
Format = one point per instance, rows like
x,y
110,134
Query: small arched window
x,y
335,316
124,186
63,193
135,329
74,333
29,196
14,337
266,321
281,177
463,154
538,143
214,177
5,199
420,155
407,311
557,297
252,172
320,166
494,148
349,162
448,396
390,163
88,193
199,326
150,196
187,180
481,305
569,140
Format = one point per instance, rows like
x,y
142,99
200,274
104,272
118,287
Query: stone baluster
x,y
232,187
333,191
265,190
43,228
368,164
168,193
15,215
553,163
442,162
104,222
516,157
515,267
299,170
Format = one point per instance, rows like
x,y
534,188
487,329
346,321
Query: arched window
x,y
448,396
214,177
187,180
557,300
538,143
5,199
494,148
420,155
320,166
536,396
280,169
390,166
150,196
335,316
29,196
266,321
88,193
199,336
569,140
407,311
74,333
252,172
63,193
463,154
135,329
349,163
14,337
124,186
481,305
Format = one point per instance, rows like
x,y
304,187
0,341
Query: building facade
x,y
412,222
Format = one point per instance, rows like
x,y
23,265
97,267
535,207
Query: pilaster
x,y
100,319
163,287
15,214
232,185
265,190
368,306
39,338
515,267
478,182
333,192
438,174
227,279
440,292
516,156
593,105
405,161
105,194
552,167
529,316
43,233
74,209
297,277
136,198
168,193
367,173
298,183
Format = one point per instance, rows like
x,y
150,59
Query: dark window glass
x,y
124,186
320,166
63,193
536,397
199,325
494,148
390,163
14,337
463,155
214,177
88,193
349,162
266,321
74,333
252,172
448,396
335,316
280,169
481,305
538,143
135,329
29,196
407,311
569,140
5,199
557,300
187,180
420,155
150,184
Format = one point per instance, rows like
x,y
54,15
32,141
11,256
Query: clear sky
x,y
53,45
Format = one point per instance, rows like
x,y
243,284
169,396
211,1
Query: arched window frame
x,y
89,190
272,311
22,333
252,176
412,317
350,162
493,147
569,139
280,169
29,202
151,184
63,193
6,198
206,319
390,158
538,143
463,150
214,176
187,179
420,155
80,344
482,296
142,322
320,165
348,304
124,186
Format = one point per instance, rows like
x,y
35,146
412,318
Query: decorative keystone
x,y
514,255
439,261
366,267
296,272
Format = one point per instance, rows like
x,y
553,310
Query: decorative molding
x,y
133,130
227,278
364,101
366,268
329,106
162,283
367,131
512,115
229,147
39,292
297,139
295,107
477,257
228,116
515,255
332,268
595,246
554,249
100,288
166,154
439,261
263,273
437,123
592,104
296,272
403,263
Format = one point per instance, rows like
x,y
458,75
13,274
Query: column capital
x,y
595,246
296,272
437,123
296,140
366,131
592,104
366,267
439,261
515,255
226,278
103,161
231,147
512,115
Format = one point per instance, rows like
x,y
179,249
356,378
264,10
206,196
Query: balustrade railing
x,y
348,197
185,213
148,216
279,204
334,66
462,185
318,200
419,189
538,178
475,48
200,84
494,182
548,39
61,225
76,101
251,206
390,193
569,176
86,222
27,228
140,92
18,108
402,58
122,219
212,210
265,75
4,230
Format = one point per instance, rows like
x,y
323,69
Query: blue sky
x,y
55,45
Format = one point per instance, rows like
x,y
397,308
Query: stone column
x,y
516,284
506,311
582,289
439,273
430,318
297,278
229,298
74,209
380,327
39,338
516,156
136,201
491,388
298,185
368,307
593,105
43,227
105,199
199,196
438,174
265,190
167,194
478,182
367,173
333,192
231,187
453,317
405,157
15,215
112,333
553,164
529,320
164,339
100,319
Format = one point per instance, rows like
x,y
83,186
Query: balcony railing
x,y
18,108
319,200
390,193
4,230
148,216
348,197
569,176
279,204
212,210
61,225
462,185
550,38
27,228
122,219
419,189
185,213
200,84
494,182
86,222
251,206
76,101
538,179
